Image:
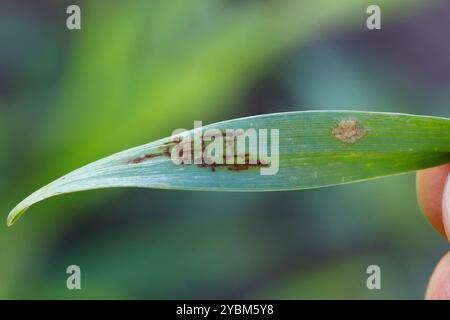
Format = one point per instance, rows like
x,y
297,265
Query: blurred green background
x,y
139,69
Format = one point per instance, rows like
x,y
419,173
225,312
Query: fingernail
x,y
446,207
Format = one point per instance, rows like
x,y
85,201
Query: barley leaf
x,y
316,149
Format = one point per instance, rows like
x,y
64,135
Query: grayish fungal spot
x,y
349,131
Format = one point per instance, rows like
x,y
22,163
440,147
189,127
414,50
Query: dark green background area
x,y
140,69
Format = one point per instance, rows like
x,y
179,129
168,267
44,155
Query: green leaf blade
x,y
315,151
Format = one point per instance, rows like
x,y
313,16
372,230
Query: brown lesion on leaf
x,y
165,150
246,166
144,158
349,131
234,166
175,140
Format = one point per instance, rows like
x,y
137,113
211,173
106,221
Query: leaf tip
x,y
13,216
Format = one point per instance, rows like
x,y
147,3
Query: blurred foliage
x,y
139,69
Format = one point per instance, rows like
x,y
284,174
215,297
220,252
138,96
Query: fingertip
x,y
430,190
446,207
439,284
